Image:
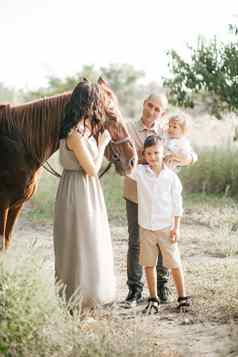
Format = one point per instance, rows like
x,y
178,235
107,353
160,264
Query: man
x,y
154,108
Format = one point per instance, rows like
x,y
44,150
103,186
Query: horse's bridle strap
x,y
122,141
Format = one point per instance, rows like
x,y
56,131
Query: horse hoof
x,y
7,244
2,244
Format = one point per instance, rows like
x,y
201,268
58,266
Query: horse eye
x,y
115,157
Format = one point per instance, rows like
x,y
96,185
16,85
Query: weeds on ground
x,y
35,321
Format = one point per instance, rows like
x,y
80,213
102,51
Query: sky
x,y
54,37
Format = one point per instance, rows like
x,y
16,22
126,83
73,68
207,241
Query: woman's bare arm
x,y
77,143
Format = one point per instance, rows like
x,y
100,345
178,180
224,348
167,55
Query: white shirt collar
x,y
149,170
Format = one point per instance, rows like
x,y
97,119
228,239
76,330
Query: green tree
x,y
123,79
211,73
57,85
8,95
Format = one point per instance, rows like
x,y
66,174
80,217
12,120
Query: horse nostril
x,y
132,161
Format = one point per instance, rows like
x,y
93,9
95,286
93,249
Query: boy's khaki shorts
x,y
151,242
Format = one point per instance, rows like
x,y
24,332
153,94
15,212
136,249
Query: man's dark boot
x,y
134,297
164,293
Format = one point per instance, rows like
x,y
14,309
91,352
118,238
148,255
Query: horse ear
x,y
101,80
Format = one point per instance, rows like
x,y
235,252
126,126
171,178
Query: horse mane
x,y
36,123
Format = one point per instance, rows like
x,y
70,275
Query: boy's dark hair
x,y
152,140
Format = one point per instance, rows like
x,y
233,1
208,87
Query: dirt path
x,y
172,334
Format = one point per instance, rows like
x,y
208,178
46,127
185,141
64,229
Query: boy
x,y
149,123
160,210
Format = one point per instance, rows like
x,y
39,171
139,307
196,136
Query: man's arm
x,y
179,159
185,157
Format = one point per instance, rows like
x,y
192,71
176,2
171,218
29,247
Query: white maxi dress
x,y
82,240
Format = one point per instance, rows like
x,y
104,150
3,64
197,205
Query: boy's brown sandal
x,y
184,303
152,307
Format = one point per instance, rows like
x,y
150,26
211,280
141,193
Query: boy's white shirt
x,y
159,197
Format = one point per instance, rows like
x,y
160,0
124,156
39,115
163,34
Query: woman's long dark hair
x,y
86,103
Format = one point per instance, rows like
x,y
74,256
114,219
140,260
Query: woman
x,y
82,241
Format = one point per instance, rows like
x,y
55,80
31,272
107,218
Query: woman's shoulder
x,y
74,138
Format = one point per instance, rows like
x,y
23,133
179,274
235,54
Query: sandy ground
x,y
172,334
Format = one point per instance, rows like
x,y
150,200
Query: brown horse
x,y
29,135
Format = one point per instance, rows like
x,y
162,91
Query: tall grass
x,y
42,203
216,171
113,192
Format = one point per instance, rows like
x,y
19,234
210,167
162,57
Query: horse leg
x,y
11,219
3,222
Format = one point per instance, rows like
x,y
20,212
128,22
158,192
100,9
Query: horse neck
x,y
39,123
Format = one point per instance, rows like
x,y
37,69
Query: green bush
x,y
216,172
113,192
42,202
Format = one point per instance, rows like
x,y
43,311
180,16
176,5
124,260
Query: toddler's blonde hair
x,y
183,119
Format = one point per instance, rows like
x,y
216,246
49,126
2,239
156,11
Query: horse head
x,y
98,103
120,151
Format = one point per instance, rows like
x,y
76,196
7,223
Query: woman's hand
x,y
104,138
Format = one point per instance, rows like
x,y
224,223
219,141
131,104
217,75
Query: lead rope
x,y
105,170
52,171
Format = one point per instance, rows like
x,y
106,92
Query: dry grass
x,y
214,287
